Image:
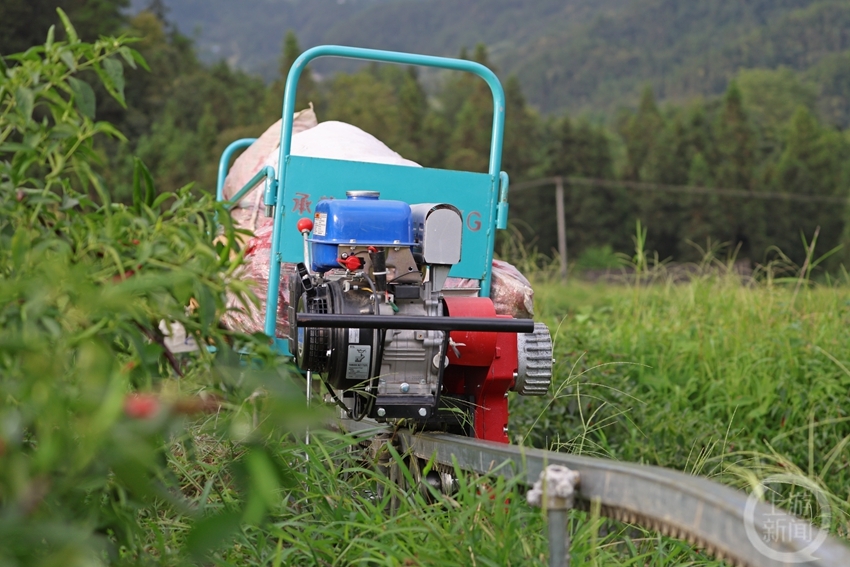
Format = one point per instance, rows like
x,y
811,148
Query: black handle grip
x,y
496,325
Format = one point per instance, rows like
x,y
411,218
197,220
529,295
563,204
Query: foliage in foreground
x,y
84,286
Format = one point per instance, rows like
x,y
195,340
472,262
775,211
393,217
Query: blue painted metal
x,y
224,163
301,181
365,221
266,174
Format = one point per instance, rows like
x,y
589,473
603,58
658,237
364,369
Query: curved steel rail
x,y
724,522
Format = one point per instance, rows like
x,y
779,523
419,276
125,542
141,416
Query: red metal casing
x,y
484,370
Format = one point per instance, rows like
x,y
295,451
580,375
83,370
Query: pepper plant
x,y
91,397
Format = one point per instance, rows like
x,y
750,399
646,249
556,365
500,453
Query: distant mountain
x,y
576,55
682,49
249,33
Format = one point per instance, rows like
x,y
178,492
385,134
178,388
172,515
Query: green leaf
x,y
69,29
264,486
212,532
141,174
163,197
20,245
182,291
84,96
150,193
68,59
137,183
2,66
115,71
14,147
25,101
206,306
52,327
51,33
140,60
68,202
128,56
109,130
132,474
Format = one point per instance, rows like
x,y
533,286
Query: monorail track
x,y
720,520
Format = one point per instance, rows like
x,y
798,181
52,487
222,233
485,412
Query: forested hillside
x,y
682,49
767,132
576,55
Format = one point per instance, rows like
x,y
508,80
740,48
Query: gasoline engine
x,y
372,317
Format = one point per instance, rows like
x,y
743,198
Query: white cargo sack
x,y
253,158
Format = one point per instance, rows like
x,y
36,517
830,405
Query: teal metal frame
x,y
301,182
224,165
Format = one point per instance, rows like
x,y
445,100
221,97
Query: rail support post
x,y
555,493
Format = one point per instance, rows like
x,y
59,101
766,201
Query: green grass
x,y
336,510
709,377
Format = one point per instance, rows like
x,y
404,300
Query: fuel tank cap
x,y
362,194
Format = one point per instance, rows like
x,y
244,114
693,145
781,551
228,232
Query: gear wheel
x,y
534,368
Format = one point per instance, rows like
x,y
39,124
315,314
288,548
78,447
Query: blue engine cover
x,y
360,220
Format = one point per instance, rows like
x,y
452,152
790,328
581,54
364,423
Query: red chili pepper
x,y
117,278
141,406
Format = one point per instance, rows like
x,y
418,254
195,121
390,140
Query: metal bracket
x,y
270,195
555,493
502,205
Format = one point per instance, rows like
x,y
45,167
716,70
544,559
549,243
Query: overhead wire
x,y
684,189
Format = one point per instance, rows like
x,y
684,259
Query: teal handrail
x,y
388,57
266,173
224,163
402,59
